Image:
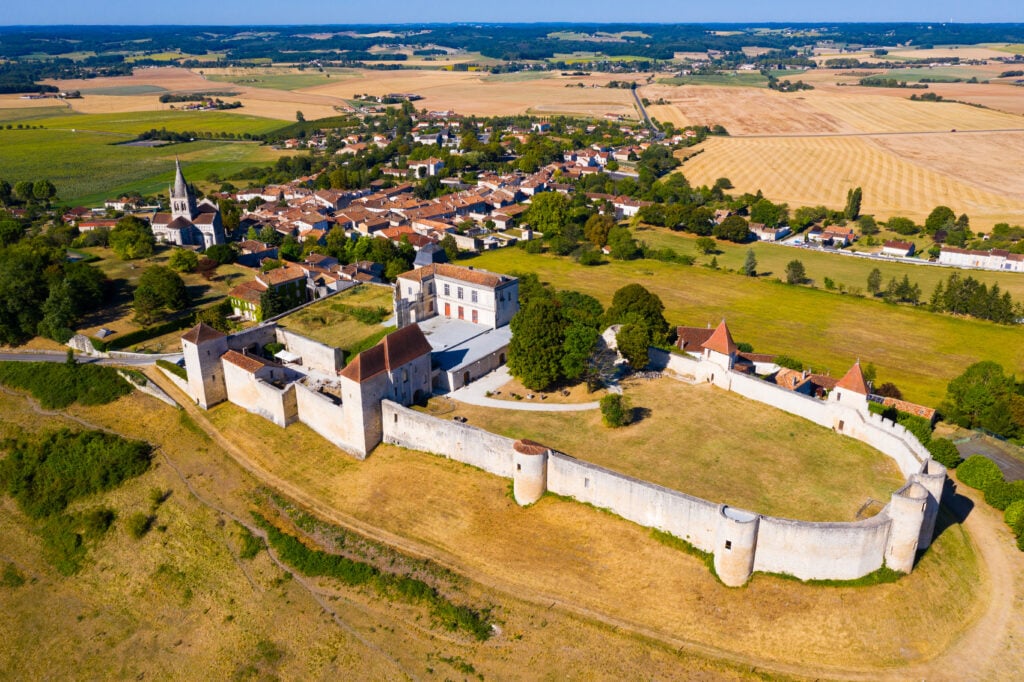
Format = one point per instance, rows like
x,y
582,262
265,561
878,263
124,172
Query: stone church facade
x,y
189,223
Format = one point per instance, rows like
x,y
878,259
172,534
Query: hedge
x,y
945,453
1001,494
979,472
1014,516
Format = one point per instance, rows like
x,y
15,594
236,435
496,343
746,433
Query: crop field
x,y
690,440
80,156
900,175
728,79
327,321
473,93
917,350
275,78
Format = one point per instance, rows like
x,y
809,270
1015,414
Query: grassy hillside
x,y
918,350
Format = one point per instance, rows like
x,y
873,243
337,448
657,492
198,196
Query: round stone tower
x,y
906,509
529,471
933,479
735,544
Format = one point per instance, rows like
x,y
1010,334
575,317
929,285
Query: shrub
x,y
1001,494
979,472
11,577
58,385
591,257
1014,516
790,363
138,524
615,410
251,545
945,453
919,426
174,368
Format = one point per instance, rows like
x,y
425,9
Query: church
x,y
189,223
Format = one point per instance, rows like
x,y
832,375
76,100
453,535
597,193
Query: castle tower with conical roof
x,y
183,199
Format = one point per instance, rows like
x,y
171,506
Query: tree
x,y
622,245
273,303
43,190
183,260
222,253
300,117
750,264
597,228
706,245
537,345
902,225
615,410
733,229
634,303
159,289
795,272
10,232
980,397
451,249
132,238
580,343
941,218
549,213
23,190
867,224
633,341
767,213
853,198
875,281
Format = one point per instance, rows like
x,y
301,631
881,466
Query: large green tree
x,y
549,213
132,238
984,396
733,229
538,340
160,289
635,304
941,218
853,199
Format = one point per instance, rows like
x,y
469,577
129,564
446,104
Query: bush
x,y
615,410
979,472
138,524
945,453
919,426
1014,516
174,368
591,257
251,545
56,385
11,577
789,363
1002,494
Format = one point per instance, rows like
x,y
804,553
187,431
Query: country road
x,y
55,356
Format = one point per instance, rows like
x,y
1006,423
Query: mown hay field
x,y
917,350
906,176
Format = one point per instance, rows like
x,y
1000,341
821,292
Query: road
x,y
1000,453
55,356
647,119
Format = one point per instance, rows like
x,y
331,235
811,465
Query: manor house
x,y
189,223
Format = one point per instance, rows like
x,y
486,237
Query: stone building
x,y
455,292
189,223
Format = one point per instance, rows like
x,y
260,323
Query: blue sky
x,y
227,12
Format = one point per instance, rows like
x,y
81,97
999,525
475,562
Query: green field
x,y
80,154
327,321
32,113
744,79
125,90
517,76
917,350
280,81
849,271
944,74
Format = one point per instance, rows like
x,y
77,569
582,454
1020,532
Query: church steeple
x,y
183,201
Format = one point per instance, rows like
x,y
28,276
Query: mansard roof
x,y
396,349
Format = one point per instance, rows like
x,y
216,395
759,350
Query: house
x,y
189,223
427,167
452,291
286,283
769,234
898,249
996,259
828,237
540,126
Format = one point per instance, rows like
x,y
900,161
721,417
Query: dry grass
x,y
901,175
617,569
328,323
576,394
717,446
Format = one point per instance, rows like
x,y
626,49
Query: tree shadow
x,y
638,414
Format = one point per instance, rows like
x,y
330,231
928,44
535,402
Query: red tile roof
x,y
721,340
464,274
249,363
201,332
396,349
854,380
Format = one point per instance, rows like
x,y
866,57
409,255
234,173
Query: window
x,y
728,544
472,296
447,290
460,293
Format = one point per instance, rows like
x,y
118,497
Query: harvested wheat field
x,y
899,176
491,95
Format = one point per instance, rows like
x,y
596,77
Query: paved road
x,y
475,393
643,113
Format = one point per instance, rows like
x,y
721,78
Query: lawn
x,y
80,154
717,446
917,350
327,321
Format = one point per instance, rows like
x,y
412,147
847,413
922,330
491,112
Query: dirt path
x,y
985,636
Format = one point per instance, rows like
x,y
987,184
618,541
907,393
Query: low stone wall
x,y
467,444
315,356
257,396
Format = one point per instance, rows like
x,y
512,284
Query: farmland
x,y
917,350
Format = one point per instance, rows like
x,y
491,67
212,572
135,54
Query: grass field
x,y
851,272
717,446
79,154
29,114
616,567
274,78
917,350
728,79
905,176
327,322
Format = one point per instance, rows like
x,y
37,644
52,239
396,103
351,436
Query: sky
x,y
255,12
